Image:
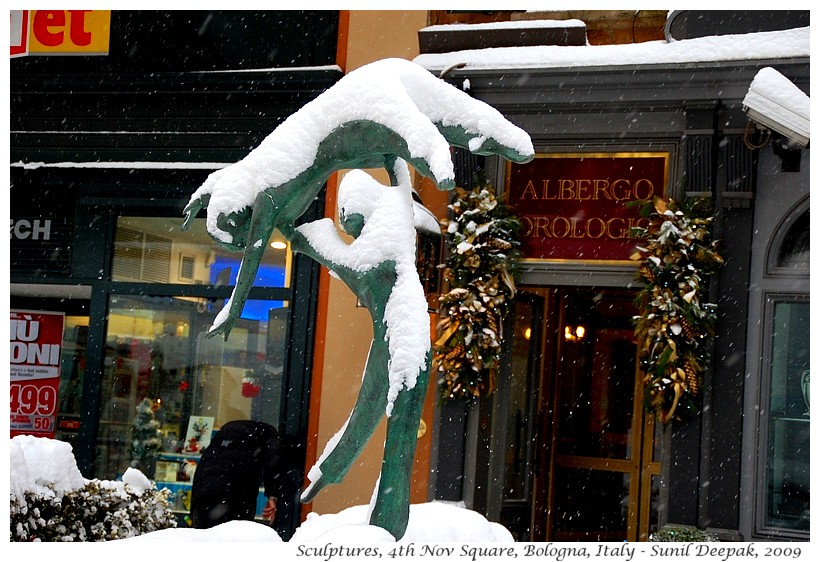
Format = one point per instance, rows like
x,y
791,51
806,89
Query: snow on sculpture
x,y
387,109
387,114
379,266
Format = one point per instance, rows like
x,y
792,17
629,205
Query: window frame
x,y
764,418
775,285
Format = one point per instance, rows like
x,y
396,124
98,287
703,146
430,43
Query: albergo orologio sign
x,y
36,345
583,206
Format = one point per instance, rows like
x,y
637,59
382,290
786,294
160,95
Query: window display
x,y
166,387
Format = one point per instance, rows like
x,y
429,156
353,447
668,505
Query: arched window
x,y
783,487
789,252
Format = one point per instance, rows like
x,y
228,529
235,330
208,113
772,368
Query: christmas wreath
x,y
482,247
674,325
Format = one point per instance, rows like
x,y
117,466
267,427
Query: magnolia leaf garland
x,y
674,324
483,245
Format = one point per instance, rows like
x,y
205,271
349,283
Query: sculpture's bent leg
x,y
392,508
367,413
263,222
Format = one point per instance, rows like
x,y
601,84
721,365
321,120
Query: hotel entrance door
x,y
594,471
602,469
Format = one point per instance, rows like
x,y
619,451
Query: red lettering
x,y
44,20
79,36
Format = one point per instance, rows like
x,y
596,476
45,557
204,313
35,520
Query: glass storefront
x,y
155,250
153,383
165,385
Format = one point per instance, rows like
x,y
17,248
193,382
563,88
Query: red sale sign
x,y
36,345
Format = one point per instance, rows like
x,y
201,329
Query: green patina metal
x,y
373,288
356,144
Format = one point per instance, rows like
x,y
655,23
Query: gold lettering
x,y
650,189
637,223
529,189
601,226
542,227
599,188
567,190
622,233
546,190
624,194
616,228
567,227
527,223
583,189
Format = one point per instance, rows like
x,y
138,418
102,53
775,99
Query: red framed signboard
x,y
36,346
583,206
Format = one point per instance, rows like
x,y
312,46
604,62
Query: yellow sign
x,y
69,32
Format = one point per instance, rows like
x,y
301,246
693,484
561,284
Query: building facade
x,y
564,450
106,149
108,144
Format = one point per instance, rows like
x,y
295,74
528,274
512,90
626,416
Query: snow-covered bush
x,y
51,501
96,512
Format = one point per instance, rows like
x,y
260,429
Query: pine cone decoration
x,y
492,324
687,329
457,351
499,244
674,260
692,379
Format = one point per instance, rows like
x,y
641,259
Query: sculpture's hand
x,y
229,211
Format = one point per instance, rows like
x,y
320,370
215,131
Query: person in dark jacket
x,y
242,455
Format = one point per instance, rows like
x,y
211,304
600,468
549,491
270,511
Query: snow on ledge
x,y
768,45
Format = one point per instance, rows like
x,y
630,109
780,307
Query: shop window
x,y
155,250
794,251
72,370
166,386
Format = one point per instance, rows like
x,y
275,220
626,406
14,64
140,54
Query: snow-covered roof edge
x,y
769,45
142,165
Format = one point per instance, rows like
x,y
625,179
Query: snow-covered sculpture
x,y
387,114
384,110
379,266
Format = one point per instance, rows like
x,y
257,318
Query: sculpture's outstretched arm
x,y
367,413
377,112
